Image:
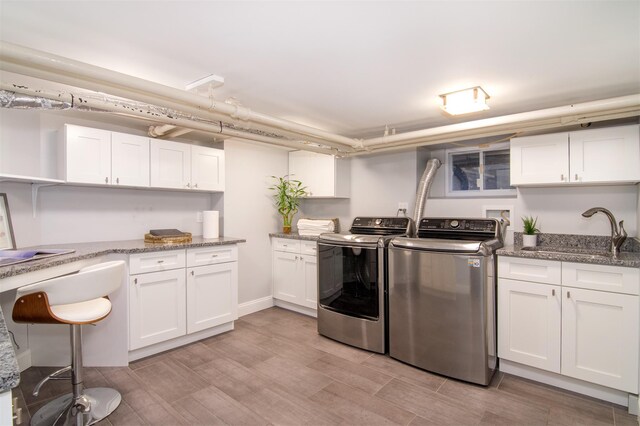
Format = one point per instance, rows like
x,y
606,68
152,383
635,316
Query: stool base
x,y
104,401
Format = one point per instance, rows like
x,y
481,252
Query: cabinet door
x,y
286,277
129,160
600,338
207,168
170,164
610,154
212,295
157,307
529,323
540,159
87,155
317,172
309,268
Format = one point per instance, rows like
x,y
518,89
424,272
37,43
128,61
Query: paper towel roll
x,y
210,224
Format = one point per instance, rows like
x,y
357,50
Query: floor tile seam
x,y
406,380
372,395
393,403
269,379
372,370
203,406
134,412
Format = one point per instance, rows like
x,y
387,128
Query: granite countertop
x,y
9,371
576,248
95,249
294,236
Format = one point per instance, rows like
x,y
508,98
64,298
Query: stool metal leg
x,y
82,406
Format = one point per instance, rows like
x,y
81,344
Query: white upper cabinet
x,y
207,168
95,156
598,156
184,166
540,159
129,160
87,155
323,175
605,155
170,164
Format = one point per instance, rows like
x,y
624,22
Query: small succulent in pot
x,y
530,231
287,199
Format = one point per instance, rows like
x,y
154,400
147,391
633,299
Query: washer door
x,y
348,281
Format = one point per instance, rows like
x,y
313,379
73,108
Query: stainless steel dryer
x,y
442,298
352,279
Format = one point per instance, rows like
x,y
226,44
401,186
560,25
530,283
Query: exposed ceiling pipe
x,y
562,115
32,59
130,109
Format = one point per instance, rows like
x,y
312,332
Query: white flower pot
x,y
529,240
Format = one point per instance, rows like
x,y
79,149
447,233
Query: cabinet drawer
x,y
156,261
541,271
309,247
615,279
284,244
211,255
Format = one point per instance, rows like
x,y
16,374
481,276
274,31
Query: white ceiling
x,y
352,67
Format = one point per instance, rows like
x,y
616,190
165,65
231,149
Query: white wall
x,y
67,214
378,183
250,212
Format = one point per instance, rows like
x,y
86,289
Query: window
x,y
479,172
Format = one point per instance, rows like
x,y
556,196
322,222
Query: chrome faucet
x,y
618,234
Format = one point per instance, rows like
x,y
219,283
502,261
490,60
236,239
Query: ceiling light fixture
x,y
465,101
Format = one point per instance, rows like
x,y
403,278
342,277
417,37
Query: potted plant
x,y
287,198
530,233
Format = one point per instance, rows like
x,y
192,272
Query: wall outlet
x,y
199,217
403,205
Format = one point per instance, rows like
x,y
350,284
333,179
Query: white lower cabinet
x,y
586,334
185,293
529,316
600,338
157,307
295,273
211,295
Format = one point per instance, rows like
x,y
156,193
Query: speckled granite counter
x,y
294,236
95,249
9,371
576,248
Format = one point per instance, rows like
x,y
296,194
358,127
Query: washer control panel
x,y
454,227
381,225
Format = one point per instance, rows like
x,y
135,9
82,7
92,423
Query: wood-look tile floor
x,y
275,369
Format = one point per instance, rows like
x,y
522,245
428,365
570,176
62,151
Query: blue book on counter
x,y
10,257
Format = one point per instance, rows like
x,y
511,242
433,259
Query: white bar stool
x,y
75,299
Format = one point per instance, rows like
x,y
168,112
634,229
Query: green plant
x,y
287,197
530,225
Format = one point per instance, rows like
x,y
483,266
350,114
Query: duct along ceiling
x,y
330,75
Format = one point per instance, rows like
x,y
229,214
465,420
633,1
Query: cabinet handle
x,y
576,177
106,180
296,257
188,185
214,255
160,261
284,245
561,178
568,295
118,181
192,273
553,292
195,185
135,281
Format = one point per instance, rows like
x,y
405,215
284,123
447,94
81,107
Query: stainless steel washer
x,y
352,281
442,298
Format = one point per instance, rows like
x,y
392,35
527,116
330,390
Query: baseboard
x,y
256,305
564,382
179,341
24,360
296,308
